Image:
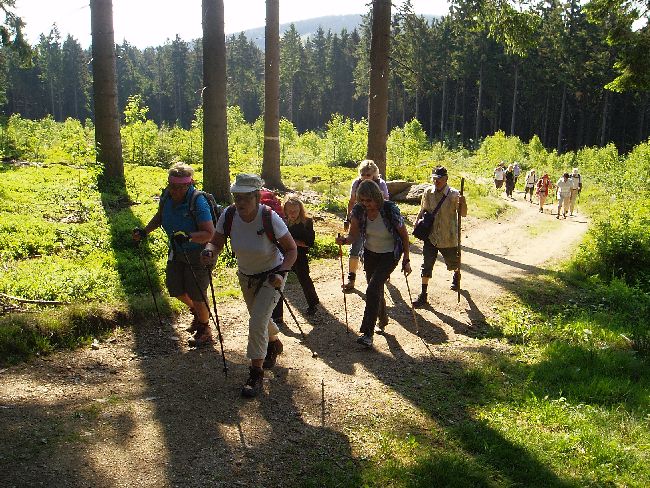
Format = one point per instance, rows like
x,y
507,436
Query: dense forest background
x,y
456,78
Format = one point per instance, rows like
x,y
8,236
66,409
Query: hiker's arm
x,y
204,234
462,206
154,223
215,245
406,260
353,233
288,245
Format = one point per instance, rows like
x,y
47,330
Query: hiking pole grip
x,y
462,190
345,299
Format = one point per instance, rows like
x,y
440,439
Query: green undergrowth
x,y
554,392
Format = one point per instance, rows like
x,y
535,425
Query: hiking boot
x,y
194,326
274,349
421,301
202,336
454,282
558,216
365,340
349,286
382,322
253,385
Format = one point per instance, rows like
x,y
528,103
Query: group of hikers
x,y
267,247
568,187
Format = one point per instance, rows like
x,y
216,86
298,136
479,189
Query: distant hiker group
x,y
567,188
268,246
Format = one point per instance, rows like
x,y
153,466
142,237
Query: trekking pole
x,y
146,270
462,189
205,301
314,354
216,315
415,317
345,299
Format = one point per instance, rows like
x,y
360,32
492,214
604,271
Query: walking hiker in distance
x,y
576,188
262,269
187,221
379,226
564,185
368,170
445,202
531,180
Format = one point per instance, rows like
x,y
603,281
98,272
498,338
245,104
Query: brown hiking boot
x,y
273,350
194,326
253,385
349,285
202,337
421,301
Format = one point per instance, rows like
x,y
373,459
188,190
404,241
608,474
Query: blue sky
x,y
150,22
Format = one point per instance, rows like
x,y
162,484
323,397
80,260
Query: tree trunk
x,y
107,121
643,106
479,105
216,168
515,93
463,111
431,118
378,95
560,129
271,163
455,116
443,109
545,121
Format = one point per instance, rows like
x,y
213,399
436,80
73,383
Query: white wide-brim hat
x,y
245,183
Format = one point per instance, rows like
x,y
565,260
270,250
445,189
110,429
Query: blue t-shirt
x,y
177,217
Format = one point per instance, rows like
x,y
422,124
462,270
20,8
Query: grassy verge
x,y
555,394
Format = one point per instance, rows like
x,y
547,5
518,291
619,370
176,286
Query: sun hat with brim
x,y
246,183
439,172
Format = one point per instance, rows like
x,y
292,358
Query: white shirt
x,y
378,237
531,179
254,250
575,182
563,187
499,174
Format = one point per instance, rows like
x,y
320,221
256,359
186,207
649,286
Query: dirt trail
x,y
143,410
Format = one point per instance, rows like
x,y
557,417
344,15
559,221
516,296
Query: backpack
x,y
267,225
270,199
215,208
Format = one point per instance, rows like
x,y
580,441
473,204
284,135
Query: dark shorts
x,y
498,183
180,280
450,254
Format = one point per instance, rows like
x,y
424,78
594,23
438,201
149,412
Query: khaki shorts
x,y
180,280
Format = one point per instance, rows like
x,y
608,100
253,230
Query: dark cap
x,y
565,175
439,172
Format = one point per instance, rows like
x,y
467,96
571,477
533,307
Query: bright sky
x,y
150,22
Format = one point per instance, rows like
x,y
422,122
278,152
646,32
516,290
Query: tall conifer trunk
x,y
560,129
271,163
378,95
216,167
107,121
515,93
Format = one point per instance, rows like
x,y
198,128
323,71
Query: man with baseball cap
x,y
444,202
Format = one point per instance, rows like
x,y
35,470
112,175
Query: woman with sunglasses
x,y
368,170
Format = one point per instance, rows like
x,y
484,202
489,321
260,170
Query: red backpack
x,y
269,198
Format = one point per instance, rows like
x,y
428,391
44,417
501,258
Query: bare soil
x,y
142,409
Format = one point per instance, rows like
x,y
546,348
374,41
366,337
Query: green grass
x,y
562,401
